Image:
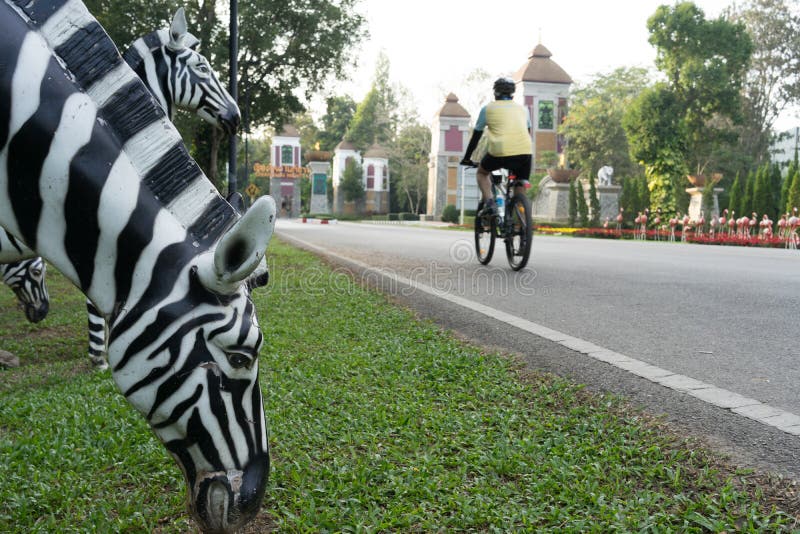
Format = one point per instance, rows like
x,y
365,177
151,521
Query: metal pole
x,y
234,67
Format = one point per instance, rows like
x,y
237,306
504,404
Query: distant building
x,y
543,87
450,134
285,172
375,178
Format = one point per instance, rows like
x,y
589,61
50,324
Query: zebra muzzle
x,y
224,502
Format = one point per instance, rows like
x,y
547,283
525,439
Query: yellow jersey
x,y
508,125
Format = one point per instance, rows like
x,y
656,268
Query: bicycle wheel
x,y
484,236
520,227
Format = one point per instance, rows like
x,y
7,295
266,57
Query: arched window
x,y
371,177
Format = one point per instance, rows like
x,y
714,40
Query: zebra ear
x,y
241,250
178,30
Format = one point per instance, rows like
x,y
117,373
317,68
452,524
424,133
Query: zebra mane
x,y
152,41
133,116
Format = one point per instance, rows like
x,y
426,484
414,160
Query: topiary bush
x,y
450,214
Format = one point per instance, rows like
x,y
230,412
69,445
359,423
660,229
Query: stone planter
x,y
562,176
699,180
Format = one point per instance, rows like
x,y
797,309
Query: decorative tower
x,y
343,152
319,163
286,171
543,88
376,179
448,182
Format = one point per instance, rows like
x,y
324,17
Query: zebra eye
x,y
37,272
238,360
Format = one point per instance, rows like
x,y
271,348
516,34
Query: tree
x,y
772,82
594,202
352,185
375,118
737,191
762,192
746,205
705,62
583,209
573,203
593,129
683,124
409,156
339,111
657,138
787,184
793,195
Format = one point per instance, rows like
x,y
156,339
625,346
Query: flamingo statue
x,y
673,222
712,227
619,220
643,221
732,224
700,227
686,223
782,223
793,223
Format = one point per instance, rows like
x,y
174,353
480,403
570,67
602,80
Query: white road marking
x,y
729,400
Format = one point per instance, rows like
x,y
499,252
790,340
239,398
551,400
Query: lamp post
x,y
233,50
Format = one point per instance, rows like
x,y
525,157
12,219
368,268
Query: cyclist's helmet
x,y
504,86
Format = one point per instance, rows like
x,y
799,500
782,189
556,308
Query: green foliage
x,y
686,123
369,409
643,197
775,180
339,111
704,62
583,208
793,195
762,193
786,185
408,154
450,214
594,203
375,118
593,128
352,185
772,83
746,205
573,202
735,198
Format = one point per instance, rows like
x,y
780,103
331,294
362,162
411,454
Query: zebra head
x,y
194,86
192,370
26,280
180,77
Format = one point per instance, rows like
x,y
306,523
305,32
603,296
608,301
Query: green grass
x,y
379,422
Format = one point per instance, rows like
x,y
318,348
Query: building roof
x,y
452,108
376,151
540,68
345,145
289,131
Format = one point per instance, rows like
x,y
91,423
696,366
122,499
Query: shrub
x,y
450,214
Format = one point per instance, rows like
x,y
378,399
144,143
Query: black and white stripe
x,y
179,77
26,279
94,177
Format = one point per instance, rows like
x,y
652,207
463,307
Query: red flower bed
x,y
721,238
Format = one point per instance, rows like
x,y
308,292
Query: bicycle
x,y
512,224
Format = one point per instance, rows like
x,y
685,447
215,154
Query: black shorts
x,y
519,166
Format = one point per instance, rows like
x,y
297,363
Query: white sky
x,y
432,45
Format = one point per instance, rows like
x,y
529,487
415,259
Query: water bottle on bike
x,y
500,202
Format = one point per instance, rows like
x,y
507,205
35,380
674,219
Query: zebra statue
x,y
180,78
25,277
95,178
26,280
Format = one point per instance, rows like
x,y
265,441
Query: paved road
x,y
727,316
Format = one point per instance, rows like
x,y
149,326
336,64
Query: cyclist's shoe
x,y
489,208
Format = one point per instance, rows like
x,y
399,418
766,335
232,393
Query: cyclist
x,y
509,139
